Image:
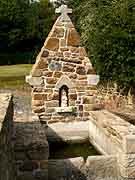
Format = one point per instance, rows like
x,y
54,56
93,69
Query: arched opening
x,y
63,96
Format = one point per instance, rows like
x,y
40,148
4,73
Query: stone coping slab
x,y
112,124
73,132
5,99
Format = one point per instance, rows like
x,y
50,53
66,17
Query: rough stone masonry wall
x,y
31,149
6,129
62,61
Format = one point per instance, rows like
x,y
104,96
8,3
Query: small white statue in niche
x,y
64,98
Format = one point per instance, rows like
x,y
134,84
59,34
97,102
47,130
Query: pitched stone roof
x,y
63,41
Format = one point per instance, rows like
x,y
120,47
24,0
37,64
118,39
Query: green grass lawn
x,y
13,76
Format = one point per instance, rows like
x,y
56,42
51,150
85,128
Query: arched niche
x,y
63,96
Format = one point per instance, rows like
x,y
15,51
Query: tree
x,y
24,25
108,32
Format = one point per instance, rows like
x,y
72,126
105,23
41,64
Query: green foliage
x,y
108,33
24,25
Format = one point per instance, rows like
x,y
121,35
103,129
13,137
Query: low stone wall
x,y
112,135
95,168
6,129
31,150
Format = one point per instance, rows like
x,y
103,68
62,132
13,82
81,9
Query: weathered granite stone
x,y
37,96
52,44
39,109
45,53
42,64
57,32
51,80
37,103
67,68
73,38
73,96
82,52
81,70
73,76
47,74
58,74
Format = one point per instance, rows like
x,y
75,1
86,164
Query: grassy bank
x,y
13,76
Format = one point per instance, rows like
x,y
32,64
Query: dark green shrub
x,y
108,32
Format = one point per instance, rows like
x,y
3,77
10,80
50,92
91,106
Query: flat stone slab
x,y
113,124
68,132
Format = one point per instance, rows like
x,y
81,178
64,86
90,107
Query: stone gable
x,y
62,62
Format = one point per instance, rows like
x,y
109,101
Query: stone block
x,y
36,73
39,109
49,90
45,53
62,43
73,76
52,44
74,50
55,66
67,54
42,64
82,77
74,55
58,74
55,96
38,89
37,96
57,32
88,100
102,167
82,83
51,80
67,68
91,71
50,86
59,54
88,107
44,164
53,103
72,103
72,97
64,49
72,60
82,52
49,110
80,108
47,73
73,38
37,103
81,70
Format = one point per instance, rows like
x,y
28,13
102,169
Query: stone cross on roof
x,y
63,9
